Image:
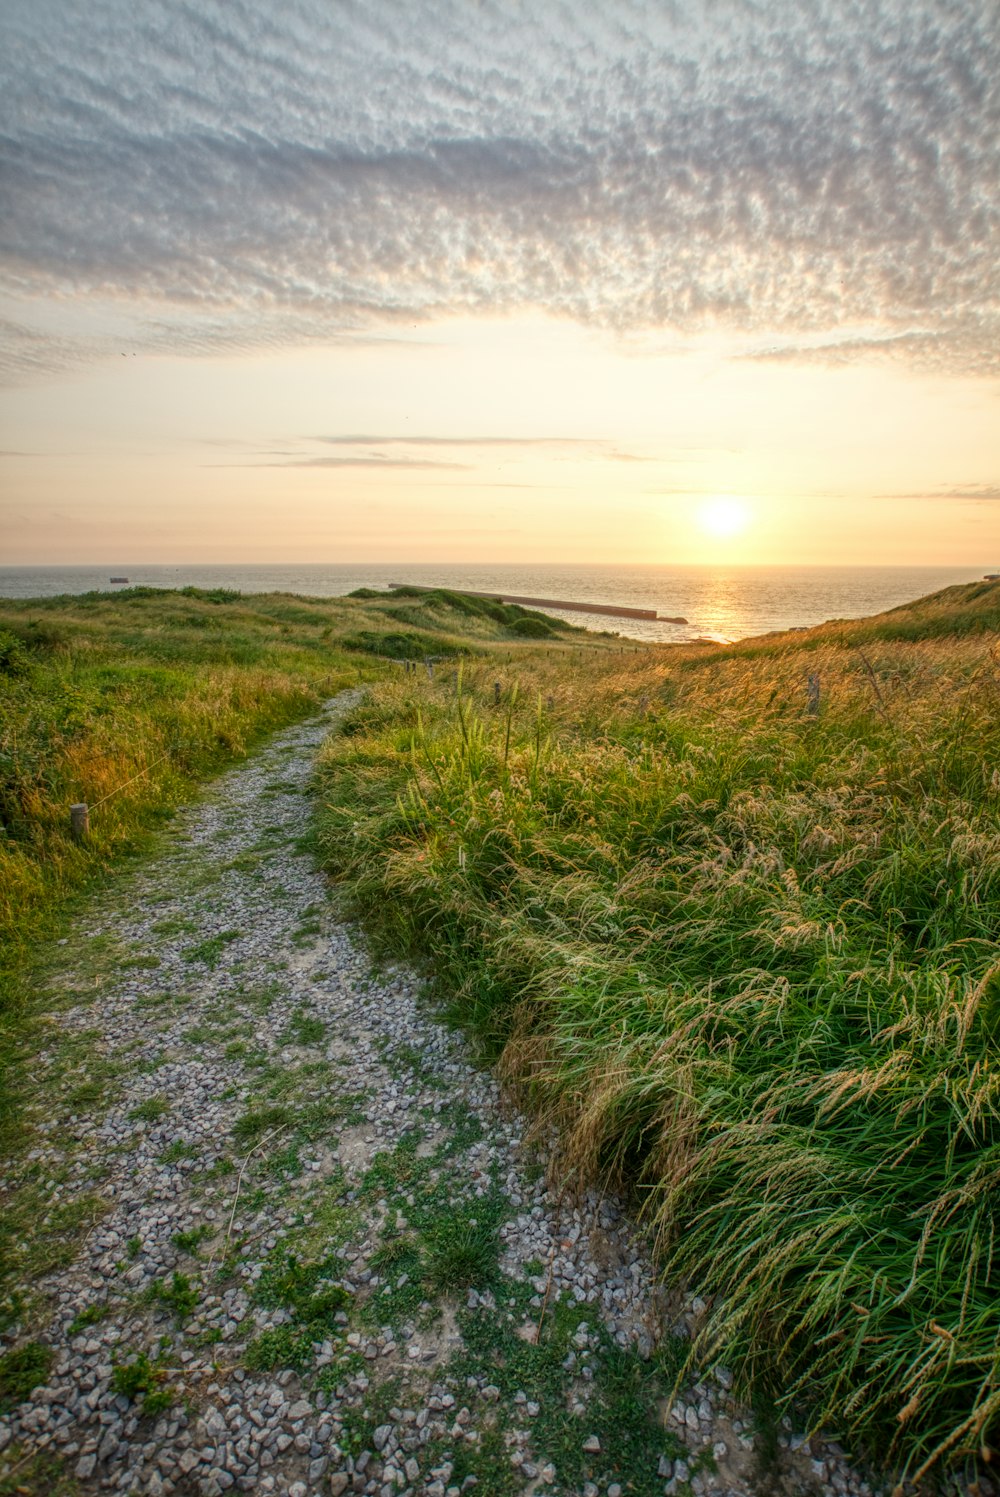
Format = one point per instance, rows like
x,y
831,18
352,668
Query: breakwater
x,y
613,610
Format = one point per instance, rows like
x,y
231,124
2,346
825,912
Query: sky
x,y
500,281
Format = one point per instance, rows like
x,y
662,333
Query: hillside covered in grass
x,y
744,954
127,700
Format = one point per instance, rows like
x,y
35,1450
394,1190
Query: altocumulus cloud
x,y
821,178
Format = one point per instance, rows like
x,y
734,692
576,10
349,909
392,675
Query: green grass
x,y
461,1253
118,701
22,1369
190,1241
623,1409
257,1123
450,1242
130,701
151,1110
284,1346
176,1294
305,1289
92,1315
142,1380
36,1237
745,959
119,697
209,952
304,1029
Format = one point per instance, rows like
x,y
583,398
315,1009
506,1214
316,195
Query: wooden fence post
x,y
812,694
496,693
79,821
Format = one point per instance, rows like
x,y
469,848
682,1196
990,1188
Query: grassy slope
x,y
746,958
142,694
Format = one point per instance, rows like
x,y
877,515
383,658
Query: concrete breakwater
x,y
614,610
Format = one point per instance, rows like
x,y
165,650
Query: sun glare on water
x,y
723,518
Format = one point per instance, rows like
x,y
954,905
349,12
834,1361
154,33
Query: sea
x,y
717,602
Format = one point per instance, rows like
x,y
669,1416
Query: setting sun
x,y
724,518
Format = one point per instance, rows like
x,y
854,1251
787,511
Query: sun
x,y
723,518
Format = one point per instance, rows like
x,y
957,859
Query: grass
x,y
92,1315
36,1237
209,952
316,1306
450,1242
142,1380
190,1241
150,1110
741,955
258,1123
303,1288
622,1413
176,1294
744,957
304,1029
43,1472
21,1370
130,701
461,1253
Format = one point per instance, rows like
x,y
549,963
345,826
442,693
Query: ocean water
x,y
718,602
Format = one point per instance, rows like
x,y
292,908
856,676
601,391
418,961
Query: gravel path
x,y
279,1235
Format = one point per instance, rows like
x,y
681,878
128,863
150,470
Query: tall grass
x,y
746,959
126,701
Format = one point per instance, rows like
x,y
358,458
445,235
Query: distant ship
x,y
117,579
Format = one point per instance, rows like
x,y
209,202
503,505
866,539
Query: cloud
x,y
25,350
431,441
972,491
362,462
592,447
249,178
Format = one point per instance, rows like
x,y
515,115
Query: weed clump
x,y
461,1254
22,1369
304,1289
176,1294
315,1304
143,1379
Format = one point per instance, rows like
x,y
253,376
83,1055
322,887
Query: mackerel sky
x,y
324,197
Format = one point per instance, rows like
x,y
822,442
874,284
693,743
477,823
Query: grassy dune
x,y
746,958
